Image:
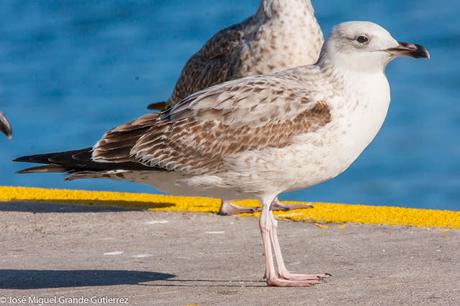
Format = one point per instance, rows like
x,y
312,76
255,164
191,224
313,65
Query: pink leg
x,y
228,209
272,277
268,255
281,270
277,205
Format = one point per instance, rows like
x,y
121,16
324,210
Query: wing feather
x,y
199,133
243,115
115,146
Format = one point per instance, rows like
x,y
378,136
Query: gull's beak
x,y
409,49
5,126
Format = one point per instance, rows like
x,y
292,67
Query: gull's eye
x,y
362,39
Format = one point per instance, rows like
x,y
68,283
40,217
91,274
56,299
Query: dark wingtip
x,y
159,106
24,171
23,159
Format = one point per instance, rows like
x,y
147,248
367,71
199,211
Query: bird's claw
x,y
228,209
277,205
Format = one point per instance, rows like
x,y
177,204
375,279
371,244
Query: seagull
x,y
257,136
5,126
282,34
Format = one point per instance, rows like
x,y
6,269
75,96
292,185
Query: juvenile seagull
x,y
229,140
282,34
5,126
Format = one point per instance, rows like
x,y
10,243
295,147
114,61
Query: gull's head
x,y
366,47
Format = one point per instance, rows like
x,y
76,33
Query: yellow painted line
x,y
322,213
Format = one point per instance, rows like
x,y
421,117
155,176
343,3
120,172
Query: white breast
x,y
364,114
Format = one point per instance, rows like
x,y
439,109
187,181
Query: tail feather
x,y
110,157
61,157
77,162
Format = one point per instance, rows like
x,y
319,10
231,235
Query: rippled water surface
x,y
69,70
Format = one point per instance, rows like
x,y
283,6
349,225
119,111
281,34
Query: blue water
x,y
69,70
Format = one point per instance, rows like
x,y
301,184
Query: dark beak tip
x,y
427,54
410,49
421,52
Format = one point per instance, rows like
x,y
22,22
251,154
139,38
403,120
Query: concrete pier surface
x,y
61,253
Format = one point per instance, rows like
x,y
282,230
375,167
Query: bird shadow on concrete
x,y
78,206
42,279
209,283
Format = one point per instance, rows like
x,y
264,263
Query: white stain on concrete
x,y
115,253
141,255
157,222
215,232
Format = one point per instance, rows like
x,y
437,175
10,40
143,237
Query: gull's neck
x,y
341,68
284,8
365,98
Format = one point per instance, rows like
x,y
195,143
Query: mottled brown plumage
x,y
116,144
197,147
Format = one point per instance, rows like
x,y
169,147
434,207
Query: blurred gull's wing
x,y
214,63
